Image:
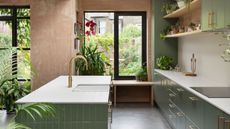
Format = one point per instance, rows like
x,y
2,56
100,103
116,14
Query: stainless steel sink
x,y
91,88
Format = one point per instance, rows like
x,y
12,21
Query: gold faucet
x,y
78,56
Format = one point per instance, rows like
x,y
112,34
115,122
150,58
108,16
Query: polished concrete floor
x,y
138,116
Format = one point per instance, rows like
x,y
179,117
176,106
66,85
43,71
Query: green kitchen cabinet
x,y
213,15
227,11
194,109
161,95
212,116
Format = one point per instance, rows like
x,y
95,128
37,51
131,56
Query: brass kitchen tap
x,y
78,56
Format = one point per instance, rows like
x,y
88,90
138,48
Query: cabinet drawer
x,y
191,125
194,109
180,99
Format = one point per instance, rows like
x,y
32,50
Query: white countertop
x,y
57,91
188,82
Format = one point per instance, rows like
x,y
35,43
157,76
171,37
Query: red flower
x,y
87,33
87,24
93,32
91,28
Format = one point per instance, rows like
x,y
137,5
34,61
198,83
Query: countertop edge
x,y
195,92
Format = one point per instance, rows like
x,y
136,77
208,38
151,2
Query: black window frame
x,y
14,19
116,41
116,36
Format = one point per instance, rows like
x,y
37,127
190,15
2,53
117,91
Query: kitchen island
x,y
84,106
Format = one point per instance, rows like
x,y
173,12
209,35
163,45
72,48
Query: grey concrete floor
x,y
138,116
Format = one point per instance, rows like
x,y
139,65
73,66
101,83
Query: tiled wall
x,y
206,48
71,116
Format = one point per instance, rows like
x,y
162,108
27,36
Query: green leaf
x,y
14,125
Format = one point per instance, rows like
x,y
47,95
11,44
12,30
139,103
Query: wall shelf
x,y
182,11
183,34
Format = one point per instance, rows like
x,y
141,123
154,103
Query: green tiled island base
x,y
70,116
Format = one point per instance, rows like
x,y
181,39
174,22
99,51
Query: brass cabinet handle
x,y
172,106
221,123
212,19
180,114
193,98
172,95
180,90
227,122
192,127
209,19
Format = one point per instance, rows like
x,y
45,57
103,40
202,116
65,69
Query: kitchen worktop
x,y
57,91
188,82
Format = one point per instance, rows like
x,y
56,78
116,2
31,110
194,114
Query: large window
x,y
122,36
15,39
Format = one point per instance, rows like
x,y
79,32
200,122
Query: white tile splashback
x,y
207,51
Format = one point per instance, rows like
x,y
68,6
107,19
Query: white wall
x,y
206,48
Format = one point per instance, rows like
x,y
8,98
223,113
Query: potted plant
x,y
181,3
191,27
142,74
95,58
164,63
164,32
34,110
168,8
96,62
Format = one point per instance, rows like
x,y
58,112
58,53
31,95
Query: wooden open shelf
x,y
182,11
183,34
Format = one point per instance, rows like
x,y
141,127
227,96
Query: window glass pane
x,y
5,34
6,12
23,31
24,64
5,64
130,45
23,12
104,36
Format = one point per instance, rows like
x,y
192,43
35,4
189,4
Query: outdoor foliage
x,y
130,50
130,54
10,88
96,59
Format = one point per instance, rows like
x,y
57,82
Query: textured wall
x,y
52,23
207,51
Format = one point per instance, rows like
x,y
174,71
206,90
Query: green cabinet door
x,y
205,15
213,14
227,11
195,109
218,16
211,116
